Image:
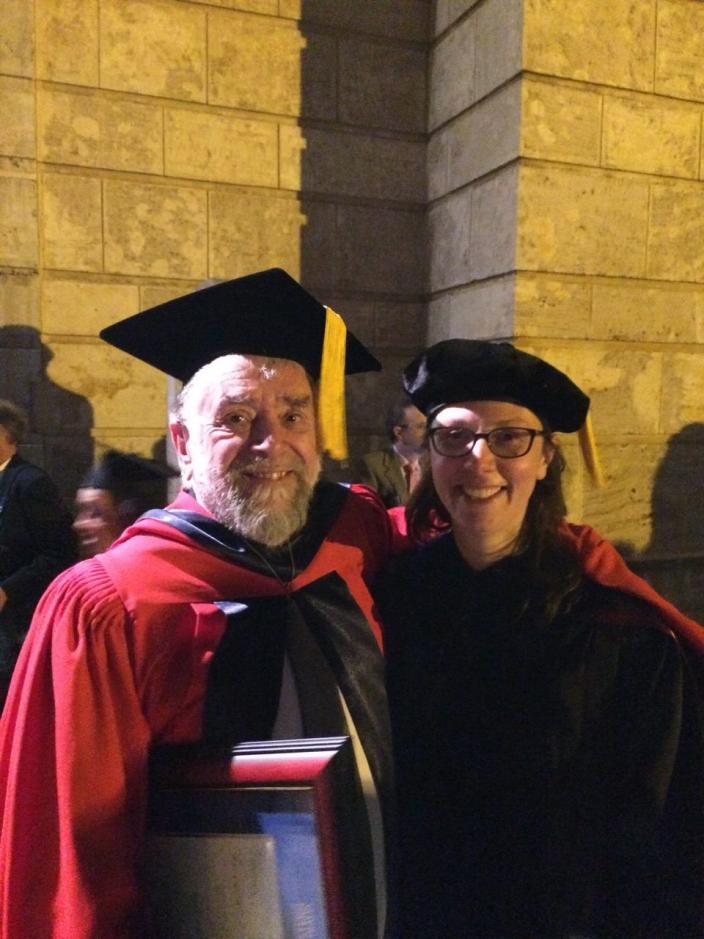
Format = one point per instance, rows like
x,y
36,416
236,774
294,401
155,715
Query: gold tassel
x,y
332,422
590,453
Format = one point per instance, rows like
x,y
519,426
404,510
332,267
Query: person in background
x,y
36,541
547,724
113,494
241,612
395,471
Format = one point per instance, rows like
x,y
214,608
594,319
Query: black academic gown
x,y
549,776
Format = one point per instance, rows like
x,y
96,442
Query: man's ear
x,y
179,438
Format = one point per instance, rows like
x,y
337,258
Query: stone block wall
x,y
150,144
566,177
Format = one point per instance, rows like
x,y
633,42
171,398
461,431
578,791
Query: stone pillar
x,y
567,214
150,144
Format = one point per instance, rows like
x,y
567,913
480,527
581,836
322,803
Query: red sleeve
x,y
377,541
73,745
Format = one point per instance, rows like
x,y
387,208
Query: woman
x,y
548,733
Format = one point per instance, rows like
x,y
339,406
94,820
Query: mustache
x,y
264,465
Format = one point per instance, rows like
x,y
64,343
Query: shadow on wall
x,y
60,438
673,561
360,175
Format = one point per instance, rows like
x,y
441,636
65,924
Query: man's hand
x,y
3,599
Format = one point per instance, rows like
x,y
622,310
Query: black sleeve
x,y
650,785
45,543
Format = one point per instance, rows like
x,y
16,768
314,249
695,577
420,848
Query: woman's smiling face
x,y
487,496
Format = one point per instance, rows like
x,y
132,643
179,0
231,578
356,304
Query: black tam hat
x,y
264,314
472,370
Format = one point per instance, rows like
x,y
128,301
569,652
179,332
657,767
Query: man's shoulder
x,y
380,457
24,472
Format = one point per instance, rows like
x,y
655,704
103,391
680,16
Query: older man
x,y
240,612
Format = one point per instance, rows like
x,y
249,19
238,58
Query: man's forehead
x,y
230,375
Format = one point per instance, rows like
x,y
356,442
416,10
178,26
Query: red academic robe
x,y
117,661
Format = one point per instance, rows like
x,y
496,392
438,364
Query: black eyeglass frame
x,y
529,431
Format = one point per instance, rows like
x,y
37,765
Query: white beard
x,y
250,513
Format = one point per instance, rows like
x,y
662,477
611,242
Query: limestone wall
x,y
150,144
567,213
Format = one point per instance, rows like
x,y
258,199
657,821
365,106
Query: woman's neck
x,y
480,551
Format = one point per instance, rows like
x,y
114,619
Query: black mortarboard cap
x,y
263,314
117,472
472,370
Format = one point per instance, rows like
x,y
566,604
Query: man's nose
x,y
265,432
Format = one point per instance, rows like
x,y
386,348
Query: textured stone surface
x,y
265,64
399,325
624,385
678,516
683,390
83,307
621,511
553,307
560,122
18,222
581,221
449,228
250,232
637,312
347,164
17,109
408,20
60,55
153,294
98,131
648,136
153,48
676,232
492,240
16,39
246,6
156,230
448,11
72,222
19,302
480,311
451,74
680,49
382,85
485,137
499,43
399,270
220,147
123,392
606,43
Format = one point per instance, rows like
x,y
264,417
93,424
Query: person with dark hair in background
x,y
395,471
547,725
36,541
242,611
113,494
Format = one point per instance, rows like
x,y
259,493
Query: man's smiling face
x,y
247,445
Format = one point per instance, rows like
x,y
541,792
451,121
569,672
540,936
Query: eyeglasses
x,y
505,442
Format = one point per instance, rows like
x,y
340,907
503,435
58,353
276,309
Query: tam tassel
x,y
332,421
